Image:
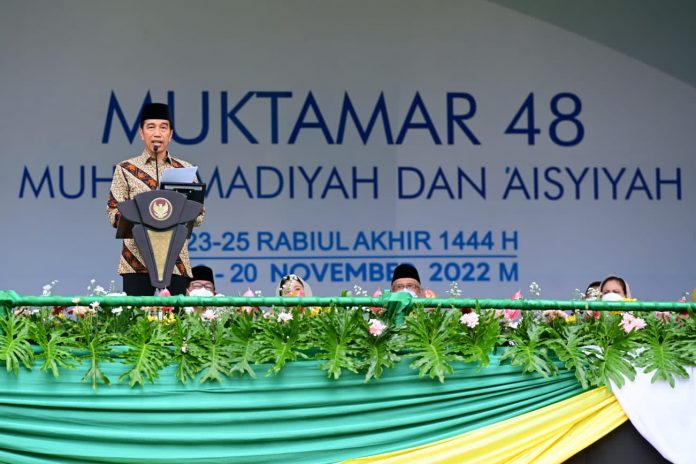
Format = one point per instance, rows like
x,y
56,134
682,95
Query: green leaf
x,y
15,349
96,339
431,337
334,332
478,343
568,344
279,342
611,360
380,351
664,352
529,350
187,354
215,351
242,344
149,351
57,348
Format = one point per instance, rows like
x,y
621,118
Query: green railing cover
x,y
387,300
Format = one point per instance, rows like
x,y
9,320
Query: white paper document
x,y
184,175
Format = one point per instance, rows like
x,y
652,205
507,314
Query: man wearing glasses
x,y
406,279
203,279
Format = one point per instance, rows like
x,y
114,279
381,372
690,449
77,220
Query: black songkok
x,y
404,271
155,111
203,273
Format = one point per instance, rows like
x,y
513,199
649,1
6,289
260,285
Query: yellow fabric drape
x,y
548,435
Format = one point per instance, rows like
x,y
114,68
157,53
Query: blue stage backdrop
x,y
490,146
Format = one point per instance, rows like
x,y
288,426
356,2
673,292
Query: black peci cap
x,y
155,111
404,271
203,273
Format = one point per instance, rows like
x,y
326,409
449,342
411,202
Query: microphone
x,y
156,148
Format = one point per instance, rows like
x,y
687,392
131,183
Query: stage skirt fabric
x,y
487,415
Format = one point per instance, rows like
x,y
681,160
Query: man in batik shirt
x,y
141,174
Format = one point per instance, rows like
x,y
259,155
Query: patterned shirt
x,y
131,177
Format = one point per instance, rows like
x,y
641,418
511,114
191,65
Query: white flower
x,y
75,301
188,309
94,305
358,291
284,317
47,289
469,319
454,290
117,311
534,289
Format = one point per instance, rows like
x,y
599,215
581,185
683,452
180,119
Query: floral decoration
x,y
219,343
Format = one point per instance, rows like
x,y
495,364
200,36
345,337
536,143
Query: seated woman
x,y
293,285
614,288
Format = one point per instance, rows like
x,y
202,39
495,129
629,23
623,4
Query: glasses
x,y
399,287
199,285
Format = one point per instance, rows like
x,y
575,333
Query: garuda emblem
x,y
160,209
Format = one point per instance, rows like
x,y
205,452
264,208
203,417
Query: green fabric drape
x,y
298,416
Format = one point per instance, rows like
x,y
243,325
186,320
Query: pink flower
x,y
469,319
82,311
376,309
664,316
208,315
284,317
249,309
510,315
165,292
630,322
376,327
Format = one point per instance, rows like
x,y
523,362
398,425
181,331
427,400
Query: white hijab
x,y
287,278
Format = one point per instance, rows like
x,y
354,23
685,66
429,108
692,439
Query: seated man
x,y
203,279
406,279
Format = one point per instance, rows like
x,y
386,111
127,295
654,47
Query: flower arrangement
x,y
215,343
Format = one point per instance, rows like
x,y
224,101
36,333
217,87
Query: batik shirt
x,y
131,177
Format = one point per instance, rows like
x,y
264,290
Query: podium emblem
x,y
160,209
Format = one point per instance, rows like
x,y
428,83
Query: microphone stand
x,y
156,149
